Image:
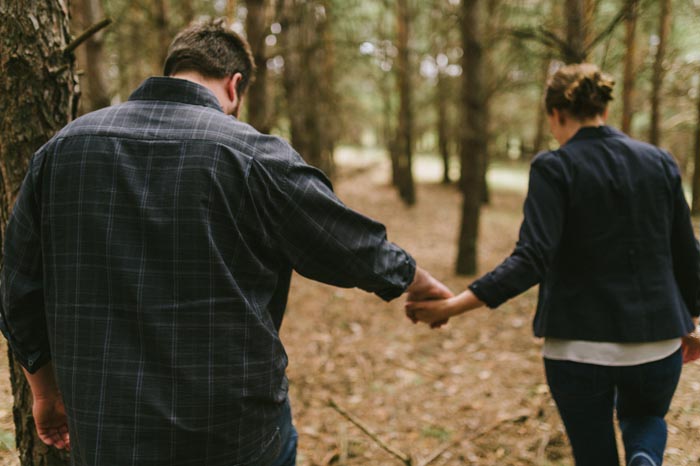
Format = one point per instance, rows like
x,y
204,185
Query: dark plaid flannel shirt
x,y
149,256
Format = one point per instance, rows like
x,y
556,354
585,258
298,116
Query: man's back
x,y
149,257
160,307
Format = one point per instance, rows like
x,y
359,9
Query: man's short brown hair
x,y
213,50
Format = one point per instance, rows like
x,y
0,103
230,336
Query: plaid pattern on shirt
x,y
149,256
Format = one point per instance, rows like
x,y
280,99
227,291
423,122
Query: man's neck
x,y
211,84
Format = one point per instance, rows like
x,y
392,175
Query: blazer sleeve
x,y
544,214
684,247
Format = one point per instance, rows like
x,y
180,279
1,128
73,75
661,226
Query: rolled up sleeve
x,y
23,319
326,241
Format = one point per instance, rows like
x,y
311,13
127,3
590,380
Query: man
x,y
147,266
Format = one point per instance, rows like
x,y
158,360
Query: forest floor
x,y
471,393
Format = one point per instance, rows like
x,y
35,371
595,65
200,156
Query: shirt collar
x,y
176,90
595,132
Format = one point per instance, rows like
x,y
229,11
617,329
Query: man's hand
x,y
48,410
437,312
51,421
426,288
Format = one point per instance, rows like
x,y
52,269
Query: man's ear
x,y
232,89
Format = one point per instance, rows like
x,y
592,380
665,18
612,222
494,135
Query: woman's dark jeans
x,y
587,394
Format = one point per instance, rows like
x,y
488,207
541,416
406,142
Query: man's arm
x,y
48,410
23,321
323,239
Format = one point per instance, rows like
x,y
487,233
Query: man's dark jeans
x,y
282,448
587,394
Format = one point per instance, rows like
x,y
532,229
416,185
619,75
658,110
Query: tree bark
x,y
94,89
37,95
405,128
579,16
256,24
696,171
658,72
305,85
630,65
473,145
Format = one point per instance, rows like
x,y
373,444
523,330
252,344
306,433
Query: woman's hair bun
x,y
581,89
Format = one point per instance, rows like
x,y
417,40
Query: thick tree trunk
x,y
657,78
696,171
630,65
303,79
404,169
94,90
37,95
256,24
473,145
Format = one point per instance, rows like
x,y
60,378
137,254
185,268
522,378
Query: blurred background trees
x,y
387,77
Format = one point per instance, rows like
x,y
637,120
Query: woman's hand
x,y
433,312
690,345
437,312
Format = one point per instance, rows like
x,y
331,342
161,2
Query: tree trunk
x,y
442,125
162,24
303,79
405,128
256,24
541,122
696,171
630,65
188,13
37,95
579,16
473,145
658,72
94,89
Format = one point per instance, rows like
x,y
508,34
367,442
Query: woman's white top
x,y
609,354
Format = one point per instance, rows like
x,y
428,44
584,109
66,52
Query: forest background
x,y
425,114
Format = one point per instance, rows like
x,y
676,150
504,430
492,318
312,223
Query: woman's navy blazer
x,y
607,235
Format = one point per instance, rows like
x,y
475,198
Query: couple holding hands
x,y
149,254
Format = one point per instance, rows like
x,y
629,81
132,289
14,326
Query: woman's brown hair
x,y
581,90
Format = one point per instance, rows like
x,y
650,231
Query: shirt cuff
x,y
407,273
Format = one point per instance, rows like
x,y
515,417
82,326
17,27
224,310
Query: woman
x,y
607,236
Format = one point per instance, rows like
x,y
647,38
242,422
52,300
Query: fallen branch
x,y
403,457
88,33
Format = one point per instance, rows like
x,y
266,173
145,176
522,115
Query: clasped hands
x,y
431,302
